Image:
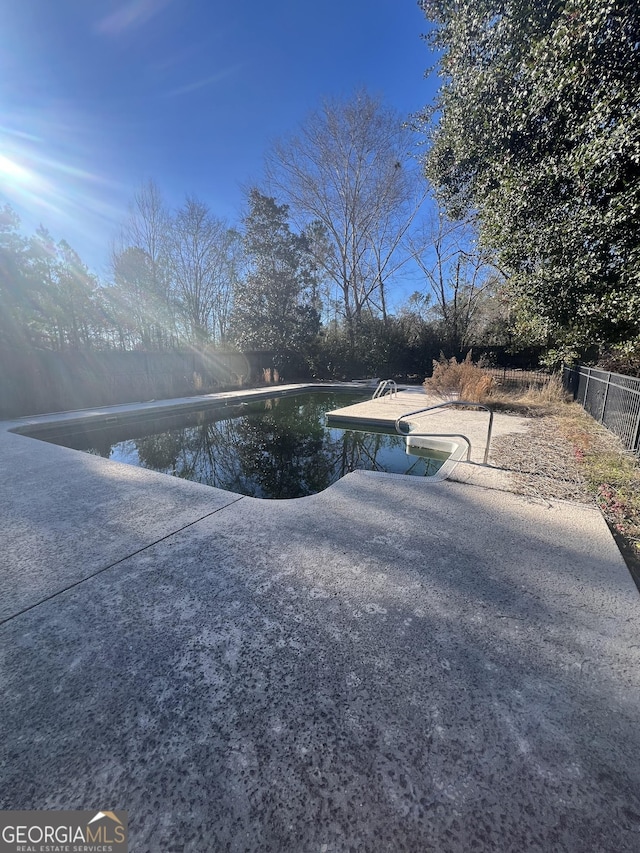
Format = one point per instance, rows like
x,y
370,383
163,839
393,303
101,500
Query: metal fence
x,y
610,398
510,377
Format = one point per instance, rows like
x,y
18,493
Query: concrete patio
x,y
393,664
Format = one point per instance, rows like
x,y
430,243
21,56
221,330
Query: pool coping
x,y
122,412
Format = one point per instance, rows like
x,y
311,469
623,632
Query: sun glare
x,y
44,177
12,171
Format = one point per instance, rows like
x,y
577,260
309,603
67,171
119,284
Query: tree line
x,y
308,273
518,226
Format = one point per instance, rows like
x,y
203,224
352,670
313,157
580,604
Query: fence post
x,y
604,399
586,388
569,375
636,435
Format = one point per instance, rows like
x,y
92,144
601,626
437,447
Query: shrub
x,y
462,379
270,374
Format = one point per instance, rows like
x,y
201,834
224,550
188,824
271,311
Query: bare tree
x,y
459,274
146,228
349,169
140,268
135,301
202,268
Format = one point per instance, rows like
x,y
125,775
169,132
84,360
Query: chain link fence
x,y
612,399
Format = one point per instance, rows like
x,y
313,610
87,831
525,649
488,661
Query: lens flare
x,y
10,171
48,174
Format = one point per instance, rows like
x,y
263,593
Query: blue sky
x,y
96,96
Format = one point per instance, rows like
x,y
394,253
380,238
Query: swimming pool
x,y
277,448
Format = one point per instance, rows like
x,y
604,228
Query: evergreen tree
x,y
274,304
537,127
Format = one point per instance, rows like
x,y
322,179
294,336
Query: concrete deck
x,y
391,665
472,423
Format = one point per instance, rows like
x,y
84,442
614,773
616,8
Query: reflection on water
x,y
278,448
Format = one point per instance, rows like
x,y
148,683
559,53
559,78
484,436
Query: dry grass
x,y
543,466
461,379
539,400
475,383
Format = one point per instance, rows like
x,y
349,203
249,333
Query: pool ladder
x,y
383,386
405,432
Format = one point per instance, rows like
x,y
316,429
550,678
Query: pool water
x,y
277,448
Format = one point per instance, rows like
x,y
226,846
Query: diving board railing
x,y
423,411
383,386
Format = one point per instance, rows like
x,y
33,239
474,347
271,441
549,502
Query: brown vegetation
x,y
459,379
529,393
